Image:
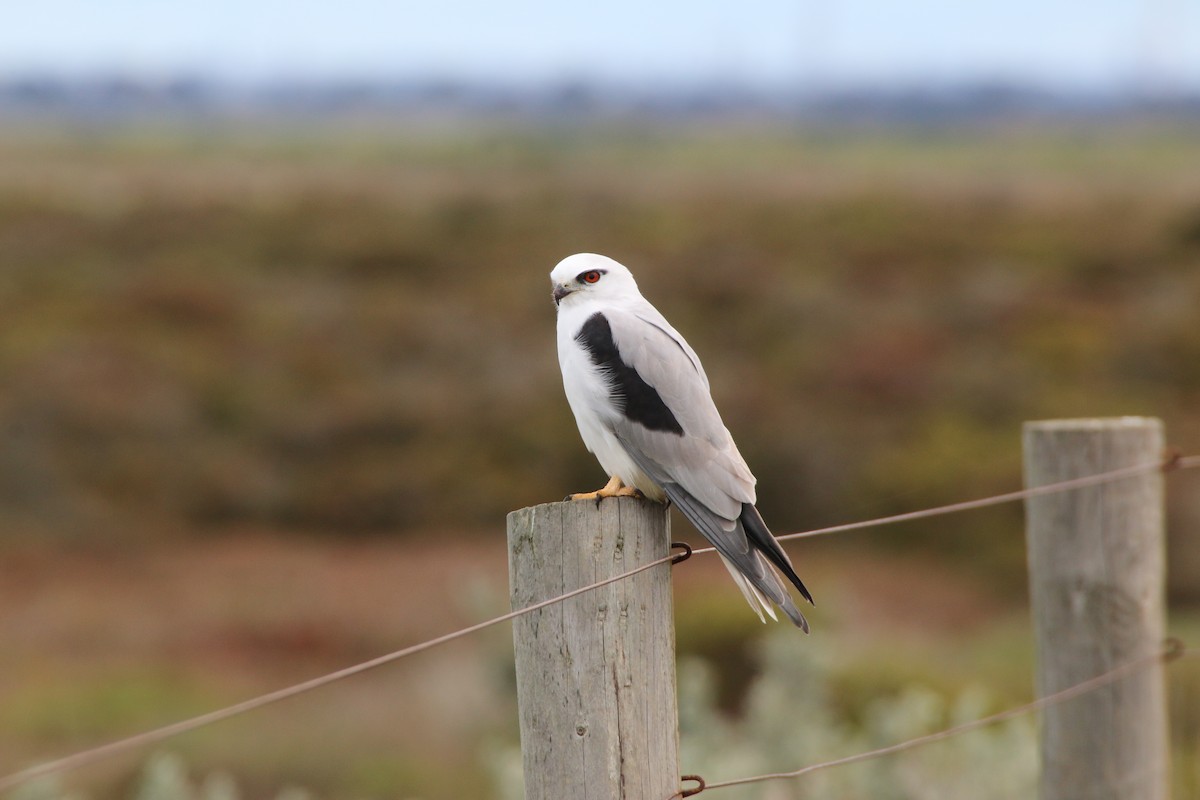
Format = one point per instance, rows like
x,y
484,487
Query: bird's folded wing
x,y
702,460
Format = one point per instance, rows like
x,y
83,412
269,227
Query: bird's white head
x,y
590,276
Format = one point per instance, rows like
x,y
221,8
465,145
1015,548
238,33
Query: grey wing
x,y
701,469
703,460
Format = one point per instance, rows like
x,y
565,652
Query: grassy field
x,y
266,396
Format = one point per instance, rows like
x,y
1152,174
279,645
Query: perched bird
x,y
644,408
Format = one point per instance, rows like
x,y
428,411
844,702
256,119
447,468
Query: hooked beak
x,y
560,291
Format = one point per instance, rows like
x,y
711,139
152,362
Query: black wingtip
x,y
758,533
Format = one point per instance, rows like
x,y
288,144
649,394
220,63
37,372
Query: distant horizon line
x,y
116,97
1129,85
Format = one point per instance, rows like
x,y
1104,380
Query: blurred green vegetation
x,y
803,705
349,332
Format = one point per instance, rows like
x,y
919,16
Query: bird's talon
x,y
614,488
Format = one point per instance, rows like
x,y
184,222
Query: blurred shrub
x,y
356,337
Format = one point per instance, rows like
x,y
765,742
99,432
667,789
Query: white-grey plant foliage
x,y
791,720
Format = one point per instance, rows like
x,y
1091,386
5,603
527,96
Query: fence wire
x,y
1171,462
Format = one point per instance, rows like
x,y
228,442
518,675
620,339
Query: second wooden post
x,y
1096,564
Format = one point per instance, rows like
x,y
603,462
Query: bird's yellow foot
x,y
614,488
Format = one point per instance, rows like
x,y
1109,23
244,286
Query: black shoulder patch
x,y
638,400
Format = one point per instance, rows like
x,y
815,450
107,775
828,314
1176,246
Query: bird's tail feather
x,y
742,544
748,567
753,596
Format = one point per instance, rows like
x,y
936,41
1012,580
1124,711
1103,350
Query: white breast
x,y
589,396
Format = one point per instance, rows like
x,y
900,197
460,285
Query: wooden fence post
x,y
596,673
1096,567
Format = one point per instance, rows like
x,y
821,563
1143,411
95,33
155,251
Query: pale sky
x,y
1089,43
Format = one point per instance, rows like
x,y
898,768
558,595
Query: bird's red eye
x,y
591,277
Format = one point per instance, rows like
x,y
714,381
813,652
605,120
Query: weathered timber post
x,y
596,673
1096,564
